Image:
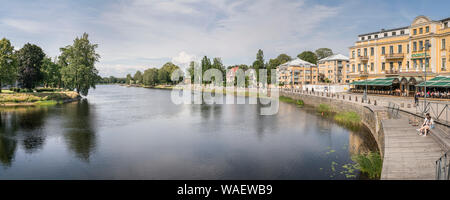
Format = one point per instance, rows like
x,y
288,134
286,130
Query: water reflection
x,y
80,133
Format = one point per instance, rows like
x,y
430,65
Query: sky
x,y
139,34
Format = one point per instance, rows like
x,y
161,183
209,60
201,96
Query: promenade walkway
x,y
407,156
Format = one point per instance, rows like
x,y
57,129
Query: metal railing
x,y
393,108
439,111
442,167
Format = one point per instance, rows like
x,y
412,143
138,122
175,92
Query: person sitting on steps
x,y
427,125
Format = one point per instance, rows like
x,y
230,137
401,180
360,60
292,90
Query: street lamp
x,y
365,81
427,46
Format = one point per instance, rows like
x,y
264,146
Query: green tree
x,y
258,63
8,62
274,63
206,64
129,79
30,59
77,61
308,56
323,53
138,79
150,76
51,72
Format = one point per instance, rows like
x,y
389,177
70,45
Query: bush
x,y
287,99
369,163
324,108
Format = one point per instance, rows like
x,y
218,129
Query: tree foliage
x,y
323,53
30,59
77,62
8,62
51,73
308,56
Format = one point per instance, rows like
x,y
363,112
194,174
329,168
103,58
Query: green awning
x,y
438,81
375,82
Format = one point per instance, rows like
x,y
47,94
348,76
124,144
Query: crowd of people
x,y
434,94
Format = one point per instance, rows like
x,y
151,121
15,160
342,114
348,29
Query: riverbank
x,y
10,99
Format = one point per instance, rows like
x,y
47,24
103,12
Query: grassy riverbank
x,y
10,98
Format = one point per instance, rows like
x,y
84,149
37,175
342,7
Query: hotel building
x,y
296,73
334,68
401,53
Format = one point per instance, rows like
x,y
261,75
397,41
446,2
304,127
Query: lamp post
x,y
365,81
427,46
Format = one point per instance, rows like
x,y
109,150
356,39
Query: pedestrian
x,y
416,99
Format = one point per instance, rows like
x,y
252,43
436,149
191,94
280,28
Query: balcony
x,y
363,58
391,72
363,74
395,56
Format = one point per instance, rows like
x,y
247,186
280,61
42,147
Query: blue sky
x,y
138,34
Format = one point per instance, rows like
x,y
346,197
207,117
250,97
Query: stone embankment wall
x,y
371,116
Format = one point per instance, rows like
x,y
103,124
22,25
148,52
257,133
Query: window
x,y
385,34
353,54
372,51
415,31
420,30
443,64
365,68
400,65
383,66
402,32
371,66
443,43
359,67
427,29
383,50
365,51
394,33
391,66
415,64
362,38
414,46
376,36
369,37
353,68
407,48
407,65
399,48
421,63
421,45
391,49
359,52
426,44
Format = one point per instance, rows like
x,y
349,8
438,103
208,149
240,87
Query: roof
x,y
335,57
384,31
297,62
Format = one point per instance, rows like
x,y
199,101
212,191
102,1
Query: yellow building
x,y
334,68
296,73
401,53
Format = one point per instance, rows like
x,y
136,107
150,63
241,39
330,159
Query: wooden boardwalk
x,y
408,156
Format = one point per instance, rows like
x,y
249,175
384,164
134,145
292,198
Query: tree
x,y
138,79
8,62
323,53
129,79
308,56
30,59
206,64
258,63
77,62
274,63
51,73
150,76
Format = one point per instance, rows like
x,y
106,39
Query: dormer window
x,y
402,32
369,37
385,34
394,33
376,36
362,38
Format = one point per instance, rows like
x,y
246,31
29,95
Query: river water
x,y
136,133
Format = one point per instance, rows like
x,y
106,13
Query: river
x,y
136,133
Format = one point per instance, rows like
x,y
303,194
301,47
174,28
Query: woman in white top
x,y
427,125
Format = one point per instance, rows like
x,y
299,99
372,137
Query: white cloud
x,y
23,25
183,59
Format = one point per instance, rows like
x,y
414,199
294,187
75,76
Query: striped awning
x,y
375,82
438,81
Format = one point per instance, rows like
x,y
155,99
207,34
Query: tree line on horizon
x,y
155,76
73,69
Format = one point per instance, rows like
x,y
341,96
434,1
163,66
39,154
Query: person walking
x,y
416,98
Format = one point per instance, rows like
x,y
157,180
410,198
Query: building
x,y
231,74
334,69
296,73
400,54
